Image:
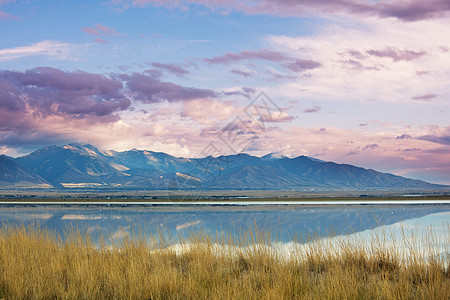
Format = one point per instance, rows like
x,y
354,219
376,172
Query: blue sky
x,y
355,81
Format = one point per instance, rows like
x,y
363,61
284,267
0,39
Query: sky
x,y
350,81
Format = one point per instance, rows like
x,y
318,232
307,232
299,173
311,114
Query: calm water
x,y
285,223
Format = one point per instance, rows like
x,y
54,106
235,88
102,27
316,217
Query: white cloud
x,y
54,49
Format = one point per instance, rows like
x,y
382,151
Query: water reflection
x,y
284,223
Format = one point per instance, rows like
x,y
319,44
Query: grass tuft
x,y
38,264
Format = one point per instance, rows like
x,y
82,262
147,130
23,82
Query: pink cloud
x,y
428,155
99,29
4,15
277,117
91,30
53,49
100,41
207,111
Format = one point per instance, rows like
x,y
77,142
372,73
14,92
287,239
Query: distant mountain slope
x,y
72,163
76,165
14,175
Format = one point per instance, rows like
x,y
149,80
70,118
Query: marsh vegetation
x,y
39,264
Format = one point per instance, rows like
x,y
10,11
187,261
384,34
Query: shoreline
x,y
228,203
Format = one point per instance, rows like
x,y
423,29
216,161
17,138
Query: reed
x,y
39,264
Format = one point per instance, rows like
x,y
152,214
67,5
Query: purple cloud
x,y
411,150
356,65
149,89
290,63
370,147
314,109
242,73
443,140
171,68
248,55
396,54
403,137
356,54
300,65
245,91
413,10
249,90
48,91
426,97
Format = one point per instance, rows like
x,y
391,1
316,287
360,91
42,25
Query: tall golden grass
x,y
39,264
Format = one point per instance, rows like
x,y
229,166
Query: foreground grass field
x,y
37,264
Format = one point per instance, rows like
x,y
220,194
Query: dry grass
x,y
37,264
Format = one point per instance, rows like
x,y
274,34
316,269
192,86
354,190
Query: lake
x,y
286,222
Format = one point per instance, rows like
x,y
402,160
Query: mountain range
x,y
85,166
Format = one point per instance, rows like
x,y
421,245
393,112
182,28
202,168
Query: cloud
x,y
277,117
172,68
148,89
237,136
5,16
443,140
53,49
403,137
314,109
246,92
413,10
421,73
99,29
426,97
301,64
411,149
100,41
249,90
286,61
396,54
49,91
369,59
410,10
207,111
370,147
242,73
358,65
263,54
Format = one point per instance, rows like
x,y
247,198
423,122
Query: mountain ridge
x,y
76,165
